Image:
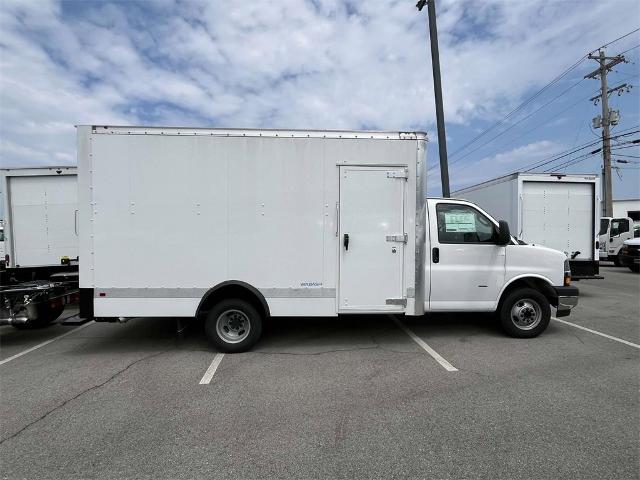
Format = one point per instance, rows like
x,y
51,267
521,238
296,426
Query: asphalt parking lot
x,y
352,397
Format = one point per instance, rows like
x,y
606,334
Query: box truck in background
x,y
41,244
613,233
291,223
559,211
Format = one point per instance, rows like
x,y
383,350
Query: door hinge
x,y
404,238
404,173
397,301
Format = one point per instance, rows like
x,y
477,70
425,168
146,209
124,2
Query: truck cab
x,y
474,264
613,232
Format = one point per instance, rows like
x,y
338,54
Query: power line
x,y
629,49
570,163
521,106
630,156
515,124
530,99
566,153
574,161
557,157
614,41
529,131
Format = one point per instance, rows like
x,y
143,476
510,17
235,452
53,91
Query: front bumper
x,y
628,260
566,299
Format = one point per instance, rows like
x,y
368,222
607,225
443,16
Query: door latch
x,y
404,173
404,238
435,255
345,241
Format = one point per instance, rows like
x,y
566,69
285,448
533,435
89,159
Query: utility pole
x,y
437,87
606,64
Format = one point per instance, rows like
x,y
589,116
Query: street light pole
x,y
437,86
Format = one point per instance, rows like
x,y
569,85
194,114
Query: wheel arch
x,y
537,282
233,289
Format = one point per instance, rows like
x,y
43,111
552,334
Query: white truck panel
x,y
173,213
559,216
41,208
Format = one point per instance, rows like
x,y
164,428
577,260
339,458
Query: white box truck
x,y
613,233
291,223
41,244
558,211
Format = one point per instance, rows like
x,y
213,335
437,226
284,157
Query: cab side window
x,y
463,224
619,226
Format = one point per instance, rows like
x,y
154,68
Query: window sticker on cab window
x,y
460,222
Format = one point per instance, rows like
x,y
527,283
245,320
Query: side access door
x,y
371,239
467,265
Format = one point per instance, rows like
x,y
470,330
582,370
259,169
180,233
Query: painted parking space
x,y
332,397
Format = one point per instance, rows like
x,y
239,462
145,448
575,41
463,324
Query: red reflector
x,y
102,294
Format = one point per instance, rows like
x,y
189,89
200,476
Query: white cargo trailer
x,y
41,215
559,211
235,226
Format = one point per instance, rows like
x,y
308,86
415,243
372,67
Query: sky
x,y
322,64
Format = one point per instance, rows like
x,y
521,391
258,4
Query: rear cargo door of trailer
x,y
43,219
559,215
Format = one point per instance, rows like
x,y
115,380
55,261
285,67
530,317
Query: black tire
x,y
634,268
46,317
524,300
616,261
238,316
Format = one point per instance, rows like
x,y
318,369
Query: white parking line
x,y
610,337
208,375
40,345
447,366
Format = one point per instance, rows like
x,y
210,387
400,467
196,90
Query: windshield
x,y
604,226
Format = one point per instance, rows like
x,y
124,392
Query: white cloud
x,y
291,63
471,173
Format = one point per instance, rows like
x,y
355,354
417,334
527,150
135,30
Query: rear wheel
x,y
233,325
524,313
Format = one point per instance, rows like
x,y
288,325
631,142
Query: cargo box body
x,y
558,211
41,210
318,222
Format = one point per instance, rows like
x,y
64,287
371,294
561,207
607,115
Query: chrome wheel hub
x,y
233,326
526,314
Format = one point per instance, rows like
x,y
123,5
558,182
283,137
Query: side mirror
x,y
504,236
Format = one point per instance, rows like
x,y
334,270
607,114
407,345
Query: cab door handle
x,y
435,255
345,241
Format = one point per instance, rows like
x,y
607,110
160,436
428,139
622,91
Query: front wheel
x,y
524,313
616,261
233,325
634,268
